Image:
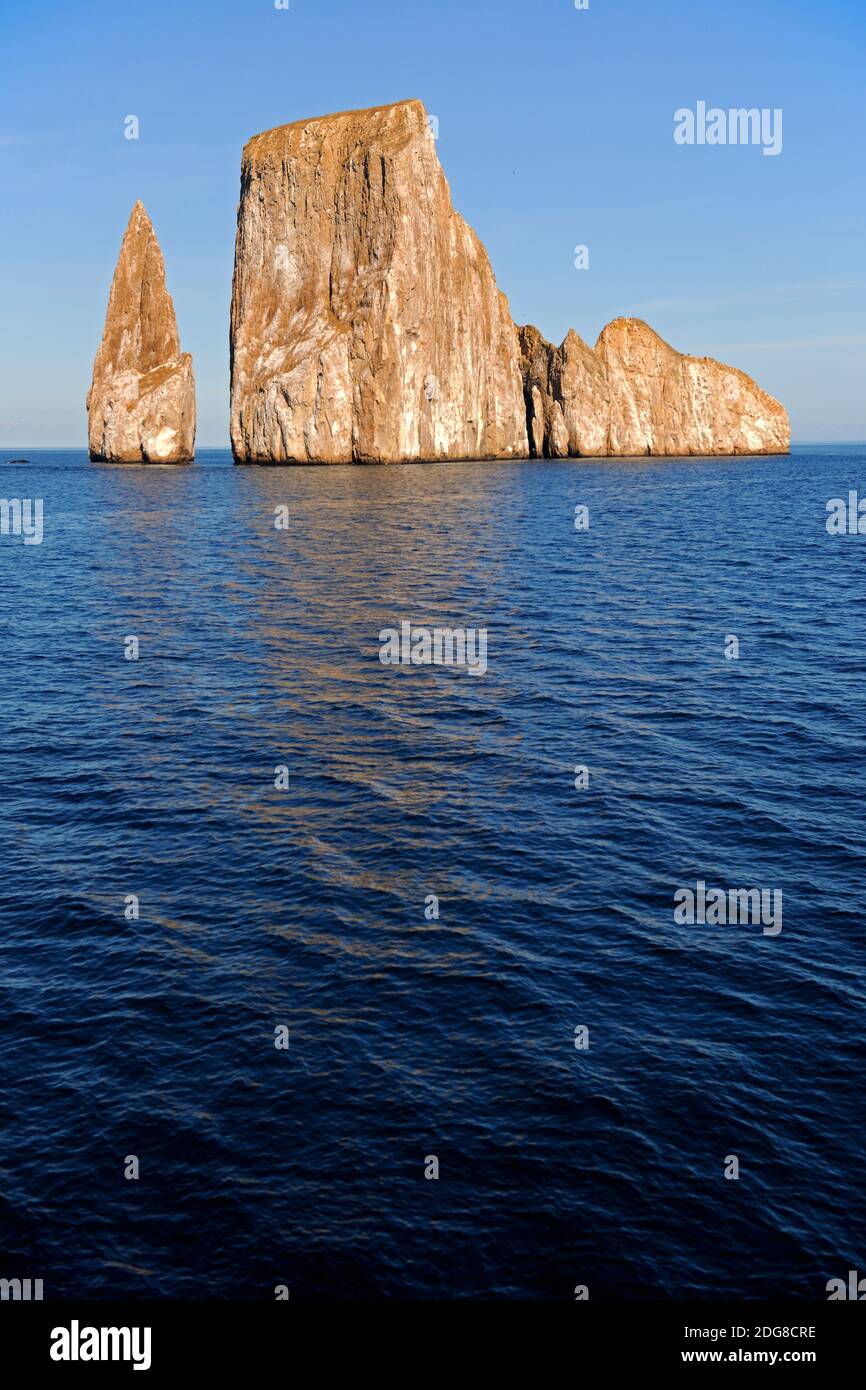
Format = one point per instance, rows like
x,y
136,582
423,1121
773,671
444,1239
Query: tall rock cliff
x,y
366,323
141,405
633,394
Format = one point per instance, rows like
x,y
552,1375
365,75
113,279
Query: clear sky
x,y
556,129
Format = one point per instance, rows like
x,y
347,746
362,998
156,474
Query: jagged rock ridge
x,y
141,404
634,394
366,323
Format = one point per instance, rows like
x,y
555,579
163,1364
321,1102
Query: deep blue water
x,y
305,907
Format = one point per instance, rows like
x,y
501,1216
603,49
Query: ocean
x,y
285,930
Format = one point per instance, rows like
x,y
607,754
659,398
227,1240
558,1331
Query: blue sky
x,y
556,129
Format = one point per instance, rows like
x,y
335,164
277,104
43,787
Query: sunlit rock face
x,y
141,404
366,322
633,394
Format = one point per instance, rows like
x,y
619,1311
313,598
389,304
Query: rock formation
x,y
141,405
366,323
633,394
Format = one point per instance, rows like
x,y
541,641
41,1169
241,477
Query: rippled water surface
x,y
306,908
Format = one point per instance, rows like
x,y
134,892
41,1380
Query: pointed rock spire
x,y
141,405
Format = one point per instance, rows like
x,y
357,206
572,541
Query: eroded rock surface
x,y
366,322
633,394
367,326
141,404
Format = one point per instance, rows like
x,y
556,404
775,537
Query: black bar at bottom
x,y
228,1339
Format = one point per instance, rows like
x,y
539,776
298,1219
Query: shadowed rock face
x,y
141,404
633,394
366,322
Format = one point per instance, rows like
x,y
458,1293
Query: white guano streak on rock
x,y
388,288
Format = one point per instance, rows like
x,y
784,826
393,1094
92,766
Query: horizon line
x,y
227,448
